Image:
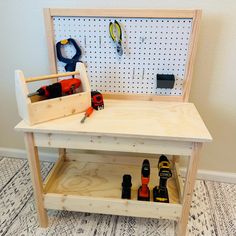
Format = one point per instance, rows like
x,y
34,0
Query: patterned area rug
x,y
213,211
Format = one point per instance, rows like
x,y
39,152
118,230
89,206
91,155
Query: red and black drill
x,y
63,87
144,191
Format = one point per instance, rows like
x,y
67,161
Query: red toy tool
x,y
97,100
63,87
87,114
144,191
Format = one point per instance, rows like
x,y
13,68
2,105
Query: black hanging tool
x,y
70,62
144,191
126,187
161,194
165,81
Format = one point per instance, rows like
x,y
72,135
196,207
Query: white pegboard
x,y
150,46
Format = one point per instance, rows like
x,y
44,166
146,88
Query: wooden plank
x,y
106,143
52,175
132,119
21,92
59,107
84,78
62,153
191,54
108,157
103,180
112,206
36,178
50,40
53,76
143,97
179,181
188,189
139,13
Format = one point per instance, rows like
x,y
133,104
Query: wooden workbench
x,y
91,180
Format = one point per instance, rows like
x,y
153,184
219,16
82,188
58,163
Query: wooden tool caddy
x,y
114,141
36,109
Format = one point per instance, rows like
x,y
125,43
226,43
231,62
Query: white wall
x,y
23,46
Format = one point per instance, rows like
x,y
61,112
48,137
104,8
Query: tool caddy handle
x,y
45,77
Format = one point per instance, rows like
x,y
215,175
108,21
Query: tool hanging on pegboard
x,y
70,62
116,35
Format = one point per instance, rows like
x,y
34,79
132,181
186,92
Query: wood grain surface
x,y
103,180
142,119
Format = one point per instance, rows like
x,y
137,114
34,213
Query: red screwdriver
x,y
87,114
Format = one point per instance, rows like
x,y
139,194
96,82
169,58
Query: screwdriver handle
x,y
88,112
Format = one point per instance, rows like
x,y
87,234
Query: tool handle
x,y
89,111
45,77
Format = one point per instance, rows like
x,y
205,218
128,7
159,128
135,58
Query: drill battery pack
x,y
143,195
160,195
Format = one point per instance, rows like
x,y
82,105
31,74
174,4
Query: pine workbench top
x,y
128,118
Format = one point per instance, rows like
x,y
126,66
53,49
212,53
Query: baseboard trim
x,y
219,176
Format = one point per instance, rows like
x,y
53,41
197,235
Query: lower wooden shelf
x,y
96,187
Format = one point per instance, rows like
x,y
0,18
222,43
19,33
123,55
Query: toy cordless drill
x,y
144,191
161,194
63,87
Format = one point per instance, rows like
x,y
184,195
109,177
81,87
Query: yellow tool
x,y
160,194
116,35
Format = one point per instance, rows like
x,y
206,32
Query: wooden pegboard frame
x,y
194,15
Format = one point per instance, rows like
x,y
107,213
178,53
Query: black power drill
x,y
161,194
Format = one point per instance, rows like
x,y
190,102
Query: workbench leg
x,y
62,153
34,164
188,189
